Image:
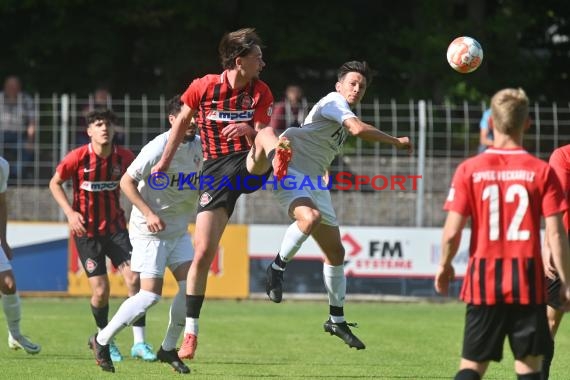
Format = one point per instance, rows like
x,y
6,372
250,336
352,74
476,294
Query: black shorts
x,y
93,250
553,287
224,179
486,327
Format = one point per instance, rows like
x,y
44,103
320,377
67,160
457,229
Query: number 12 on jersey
x,y
514,191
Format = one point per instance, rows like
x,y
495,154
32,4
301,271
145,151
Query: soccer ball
x,y
464,54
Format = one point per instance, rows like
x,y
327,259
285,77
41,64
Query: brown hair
x,y
237,44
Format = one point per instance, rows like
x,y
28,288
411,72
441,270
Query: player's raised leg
x,y
269,150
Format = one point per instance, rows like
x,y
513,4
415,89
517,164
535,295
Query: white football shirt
x,y
321,137
171,196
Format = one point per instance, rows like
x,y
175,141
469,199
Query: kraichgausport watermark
x,y
341,181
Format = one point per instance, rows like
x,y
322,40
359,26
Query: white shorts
x,y
150,257
292,190
4,262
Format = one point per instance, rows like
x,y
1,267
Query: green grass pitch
x,y
262,340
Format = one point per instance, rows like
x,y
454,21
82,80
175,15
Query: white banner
x,y
20,234
371,251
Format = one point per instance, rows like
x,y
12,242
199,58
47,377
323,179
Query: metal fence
x,y
444,134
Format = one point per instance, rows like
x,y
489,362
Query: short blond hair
x,y
509,110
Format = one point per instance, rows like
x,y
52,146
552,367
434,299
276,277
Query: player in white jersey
x,y
315,144
10,297
158,229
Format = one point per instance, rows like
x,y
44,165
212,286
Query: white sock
x,y
129,311
191,326
292,241
176,321
138,334
337,318
335,283
12,310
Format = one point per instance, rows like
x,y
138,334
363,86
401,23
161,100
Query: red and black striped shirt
x,y
505,192
96,193
218,104
560,162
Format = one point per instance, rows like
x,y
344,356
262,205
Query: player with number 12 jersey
x,y
505,192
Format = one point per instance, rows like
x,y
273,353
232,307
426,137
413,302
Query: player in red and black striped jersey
x,y
96,219
560,163
96,193
232,110
504,191
219,106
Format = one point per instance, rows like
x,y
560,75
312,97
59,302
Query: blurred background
x,y
156,47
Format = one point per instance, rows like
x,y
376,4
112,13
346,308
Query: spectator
x,y
485,131
291,111
17,122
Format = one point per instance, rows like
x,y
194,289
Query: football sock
x,y
191,326
101,315
12,311
290,244
138,334
176,320
132,309
278,263
194,305
336,314
193,308
530,376
467,374
141,322
547,360
335,283
138,330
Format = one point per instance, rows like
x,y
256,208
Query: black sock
x,y
279,262
193,305
101,315
547,360
467,374
337,311
141,322
529,376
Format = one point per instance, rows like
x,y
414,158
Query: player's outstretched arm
x,y
176,136
360,129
